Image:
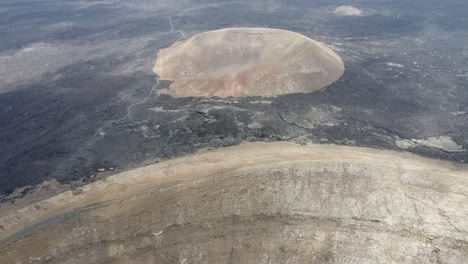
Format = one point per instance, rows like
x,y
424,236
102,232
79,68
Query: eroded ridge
x,y
280,201
247,62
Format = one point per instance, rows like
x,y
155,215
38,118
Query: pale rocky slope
x,y
254,203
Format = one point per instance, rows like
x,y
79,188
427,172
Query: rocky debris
x,y
443,143
255,125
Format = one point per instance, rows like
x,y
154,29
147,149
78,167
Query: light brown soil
x,y
254,203
247,62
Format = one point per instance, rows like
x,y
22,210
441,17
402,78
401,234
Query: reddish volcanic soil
x,y
247,62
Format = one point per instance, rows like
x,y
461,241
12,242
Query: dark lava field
x,y
78,95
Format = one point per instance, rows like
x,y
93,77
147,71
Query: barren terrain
x,y
78,94
347,11
104,161
254,203
247,62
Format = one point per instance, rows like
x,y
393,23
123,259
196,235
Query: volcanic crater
x,y
247,62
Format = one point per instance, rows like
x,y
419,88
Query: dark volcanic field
x,y
76,86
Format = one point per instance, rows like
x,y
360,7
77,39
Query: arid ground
x,y
247,62
78,94
254,203
233,131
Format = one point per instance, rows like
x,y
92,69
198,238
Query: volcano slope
x,y
247,62
254,203
347,11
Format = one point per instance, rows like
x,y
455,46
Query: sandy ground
x,y
247,62
401,196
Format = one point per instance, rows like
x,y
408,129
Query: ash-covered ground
x,y
77,91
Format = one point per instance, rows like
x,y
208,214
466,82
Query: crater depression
x,y
247,62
